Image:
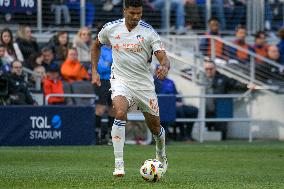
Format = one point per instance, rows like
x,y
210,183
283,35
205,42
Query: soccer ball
x,y
152,170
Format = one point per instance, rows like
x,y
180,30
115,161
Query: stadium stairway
x,y
187,62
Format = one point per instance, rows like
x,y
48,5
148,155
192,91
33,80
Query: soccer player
x,y
133,42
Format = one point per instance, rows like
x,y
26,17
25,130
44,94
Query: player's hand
x,y
96,79
162,72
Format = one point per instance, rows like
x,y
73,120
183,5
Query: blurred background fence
x,y
255,14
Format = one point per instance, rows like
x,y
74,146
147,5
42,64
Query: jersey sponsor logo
x,y
129,47
117,37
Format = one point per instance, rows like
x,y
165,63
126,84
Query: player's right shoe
x,y
164,161
119,169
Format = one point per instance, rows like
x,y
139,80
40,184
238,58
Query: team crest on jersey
x,y
140,38
117,37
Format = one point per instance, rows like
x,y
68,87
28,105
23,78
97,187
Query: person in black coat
x,y
216,83
26,42
17,86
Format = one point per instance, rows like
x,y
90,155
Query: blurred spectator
x,y
103,92
167,86
40,70
12,50
237,11
48,57
177,6
260,46
8,17
4,64
280,45
72,69
18,90
269,15
274,13
53,84
109,4
59,45
59,7
242,56
90,10
82,42
273,54
34,60
27,43
193,19
205,44
218,10
216,83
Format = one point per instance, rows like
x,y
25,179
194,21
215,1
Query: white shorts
x,y
146,100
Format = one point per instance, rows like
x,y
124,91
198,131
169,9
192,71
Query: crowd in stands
x,y
260,47
184,14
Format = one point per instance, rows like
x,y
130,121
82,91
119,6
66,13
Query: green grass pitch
x,y
210,165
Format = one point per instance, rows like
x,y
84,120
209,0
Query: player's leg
x,y
120,104
158,132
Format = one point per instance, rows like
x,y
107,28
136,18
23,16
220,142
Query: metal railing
x,y
202,111
138,116
256,14
37,77
244,71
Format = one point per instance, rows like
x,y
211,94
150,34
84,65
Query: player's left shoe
x,y
164,161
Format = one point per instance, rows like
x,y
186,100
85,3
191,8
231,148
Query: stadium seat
x,y
67,90
82,87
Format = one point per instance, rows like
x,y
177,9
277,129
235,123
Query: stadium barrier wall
x,y
46,125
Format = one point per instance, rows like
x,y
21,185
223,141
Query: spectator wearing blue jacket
x,y
104,103
167,86
280,45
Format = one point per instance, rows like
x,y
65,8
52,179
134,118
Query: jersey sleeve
x,y
103,35
155,42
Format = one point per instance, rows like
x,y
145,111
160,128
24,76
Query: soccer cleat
x,y
164,161
119,169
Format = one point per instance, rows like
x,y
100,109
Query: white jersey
x,y
132,52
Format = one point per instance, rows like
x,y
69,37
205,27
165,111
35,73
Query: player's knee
x,y
155,130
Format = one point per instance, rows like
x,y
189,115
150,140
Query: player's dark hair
x,y
133,3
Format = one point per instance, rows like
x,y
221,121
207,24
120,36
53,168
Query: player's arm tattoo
x,y
162,58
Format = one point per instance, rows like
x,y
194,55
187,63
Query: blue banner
x,y
47,125
12,6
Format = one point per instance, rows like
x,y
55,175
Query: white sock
x,y
160,143
118,138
